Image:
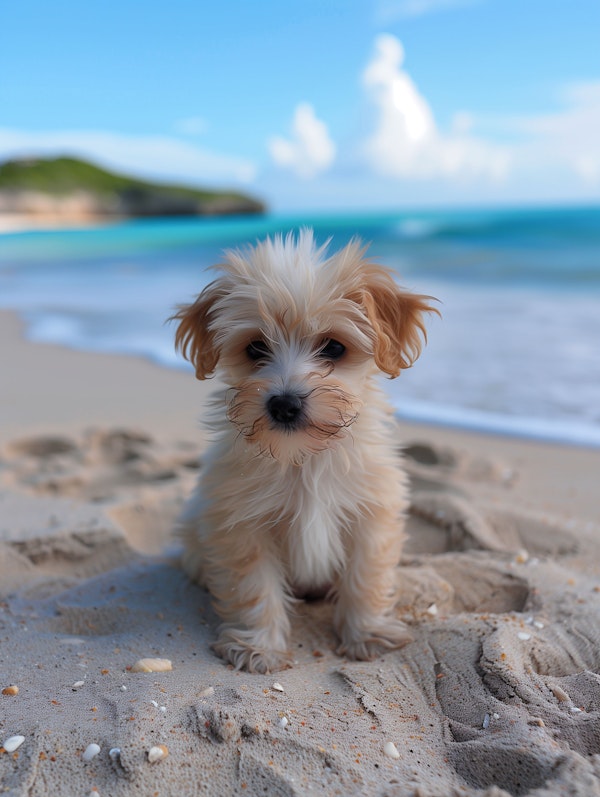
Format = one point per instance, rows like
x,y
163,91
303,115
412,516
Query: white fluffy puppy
x,y
302,489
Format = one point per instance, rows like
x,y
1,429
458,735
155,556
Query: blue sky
x,y
316,104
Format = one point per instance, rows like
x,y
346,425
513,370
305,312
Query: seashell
x,y
157,753
391,750
91,751
152,665
12,743
559,693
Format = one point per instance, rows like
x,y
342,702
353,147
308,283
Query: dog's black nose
x,y
285,409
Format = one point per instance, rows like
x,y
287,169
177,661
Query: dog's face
x,y
295,334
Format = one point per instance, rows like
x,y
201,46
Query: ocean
x,y
516,350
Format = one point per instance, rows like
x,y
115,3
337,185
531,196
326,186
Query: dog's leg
x,y
366,589
252,600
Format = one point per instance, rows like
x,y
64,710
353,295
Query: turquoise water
x,y
517,349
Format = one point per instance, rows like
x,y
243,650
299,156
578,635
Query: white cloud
x,y
310,151
406,142
154,156
406,159
568,139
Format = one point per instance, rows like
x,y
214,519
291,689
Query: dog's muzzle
x,y
286,410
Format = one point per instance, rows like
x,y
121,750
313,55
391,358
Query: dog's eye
x,y
332,350
257,350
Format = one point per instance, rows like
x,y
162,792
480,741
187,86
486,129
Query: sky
x,y
317,104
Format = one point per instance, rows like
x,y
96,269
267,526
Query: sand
x,y
27,222
498,694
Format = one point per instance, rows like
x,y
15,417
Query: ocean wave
x,y
519,295
548,430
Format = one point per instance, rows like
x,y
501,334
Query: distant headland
x,y
64,191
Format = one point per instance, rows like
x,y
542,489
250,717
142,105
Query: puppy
x,y
303,489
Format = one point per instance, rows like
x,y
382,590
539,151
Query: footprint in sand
x,y
97,466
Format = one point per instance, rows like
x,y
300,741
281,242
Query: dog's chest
x,y
320,510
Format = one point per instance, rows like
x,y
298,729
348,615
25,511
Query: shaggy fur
x,y
302,489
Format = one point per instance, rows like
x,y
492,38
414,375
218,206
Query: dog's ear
x,y
396,316
194,336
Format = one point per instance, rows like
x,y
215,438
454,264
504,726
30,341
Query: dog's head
x,y
295,334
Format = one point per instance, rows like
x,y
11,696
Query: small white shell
x,y
152,665
559,693
524,636
278,687
390,750
157,753
91,751
283,722
432,610
114,753
12,743
78,684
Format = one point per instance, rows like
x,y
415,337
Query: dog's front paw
x,y
366,644
236,647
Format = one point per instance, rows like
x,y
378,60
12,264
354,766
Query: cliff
x,y
71,190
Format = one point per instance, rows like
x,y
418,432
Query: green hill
x,y
53,184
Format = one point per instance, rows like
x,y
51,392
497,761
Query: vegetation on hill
x,y
111,193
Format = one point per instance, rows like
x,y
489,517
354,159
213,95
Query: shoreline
x,y
499,583
545,431
506,426
24,222
126,385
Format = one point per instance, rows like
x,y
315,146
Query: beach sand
x,y
499,693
